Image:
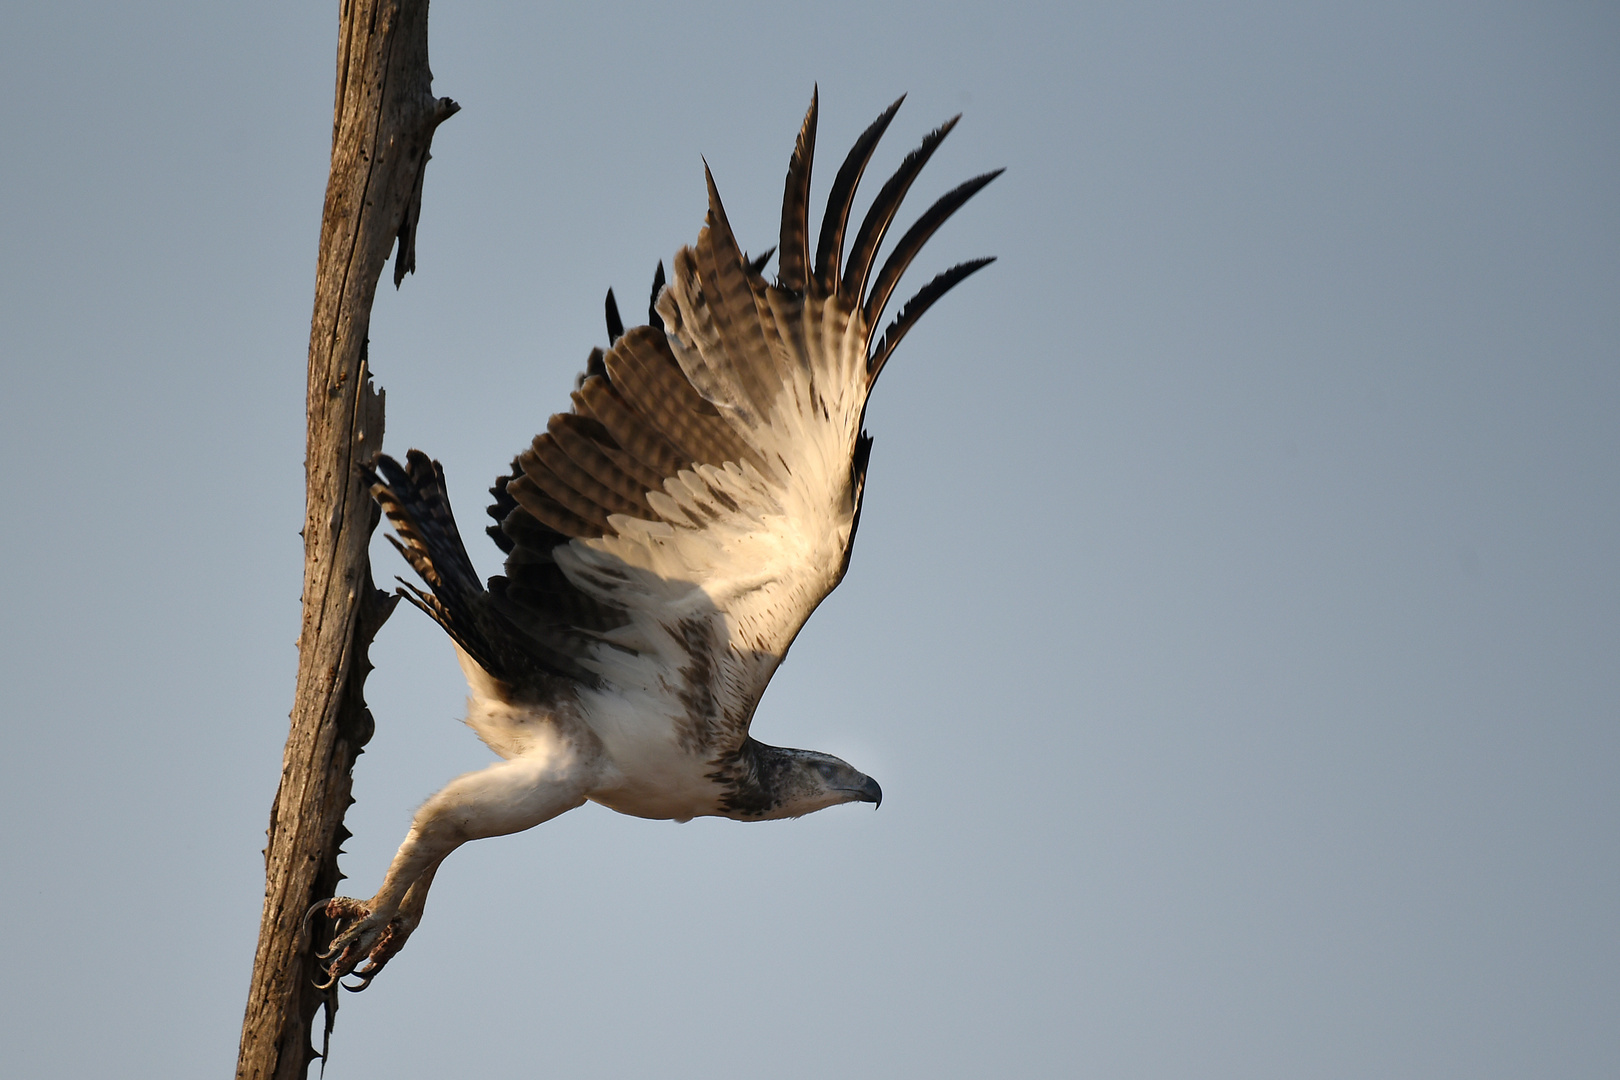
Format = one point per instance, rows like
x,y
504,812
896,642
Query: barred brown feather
x,y
794,261
842,197
914,239
863,253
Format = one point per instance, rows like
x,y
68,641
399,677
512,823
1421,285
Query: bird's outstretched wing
x,y
668,537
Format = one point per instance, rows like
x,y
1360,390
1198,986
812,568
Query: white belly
x,y
645,770
649,773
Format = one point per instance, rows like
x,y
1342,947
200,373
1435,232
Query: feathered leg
x,y
507,797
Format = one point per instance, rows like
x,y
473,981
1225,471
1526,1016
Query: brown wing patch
x,y
576,485
641,442
589,446
539,504
645,373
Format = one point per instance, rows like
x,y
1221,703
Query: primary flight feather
x,y
665,541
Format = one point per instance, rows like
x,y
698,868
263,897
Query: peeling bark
x,y
383,123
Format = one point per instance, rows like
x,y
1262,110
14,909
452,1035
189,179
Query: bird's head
x,y
816,781
786,783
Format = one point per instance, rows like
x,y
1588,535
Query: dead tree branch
x,y
383,124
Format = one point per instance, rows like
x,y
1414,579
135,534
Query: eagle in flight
x,y
665,541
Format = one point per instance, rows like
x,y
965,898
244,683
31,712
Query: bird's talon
x,y
363,944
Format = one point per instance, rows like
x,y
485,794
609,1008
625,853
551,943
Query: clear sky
x,y
1233,625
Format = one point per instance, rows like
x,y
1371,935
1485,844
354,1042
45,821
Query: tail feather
x,y
415,501
414,498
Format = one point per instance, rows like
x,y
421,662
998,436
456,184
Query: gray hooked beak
x,y
870,792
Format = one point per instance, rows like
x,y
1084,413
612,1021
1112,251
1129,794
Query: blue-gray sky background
x,y
1234,625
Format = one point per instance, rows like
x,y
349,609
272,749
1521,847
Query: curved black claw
x,y
309,916
373,967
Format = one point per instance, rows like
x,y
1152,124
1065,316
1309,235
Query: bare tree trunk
x,y
383,124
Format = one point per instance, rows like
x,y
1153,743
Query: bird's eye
x,y
826,771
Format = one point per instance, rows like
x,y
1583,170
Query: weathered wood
x,y
383,123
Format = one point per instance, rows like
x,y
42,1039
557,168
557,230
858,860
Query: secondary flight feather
x,y
665,541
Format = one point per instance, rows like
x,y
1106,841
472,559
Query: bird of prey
x,y
665,541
